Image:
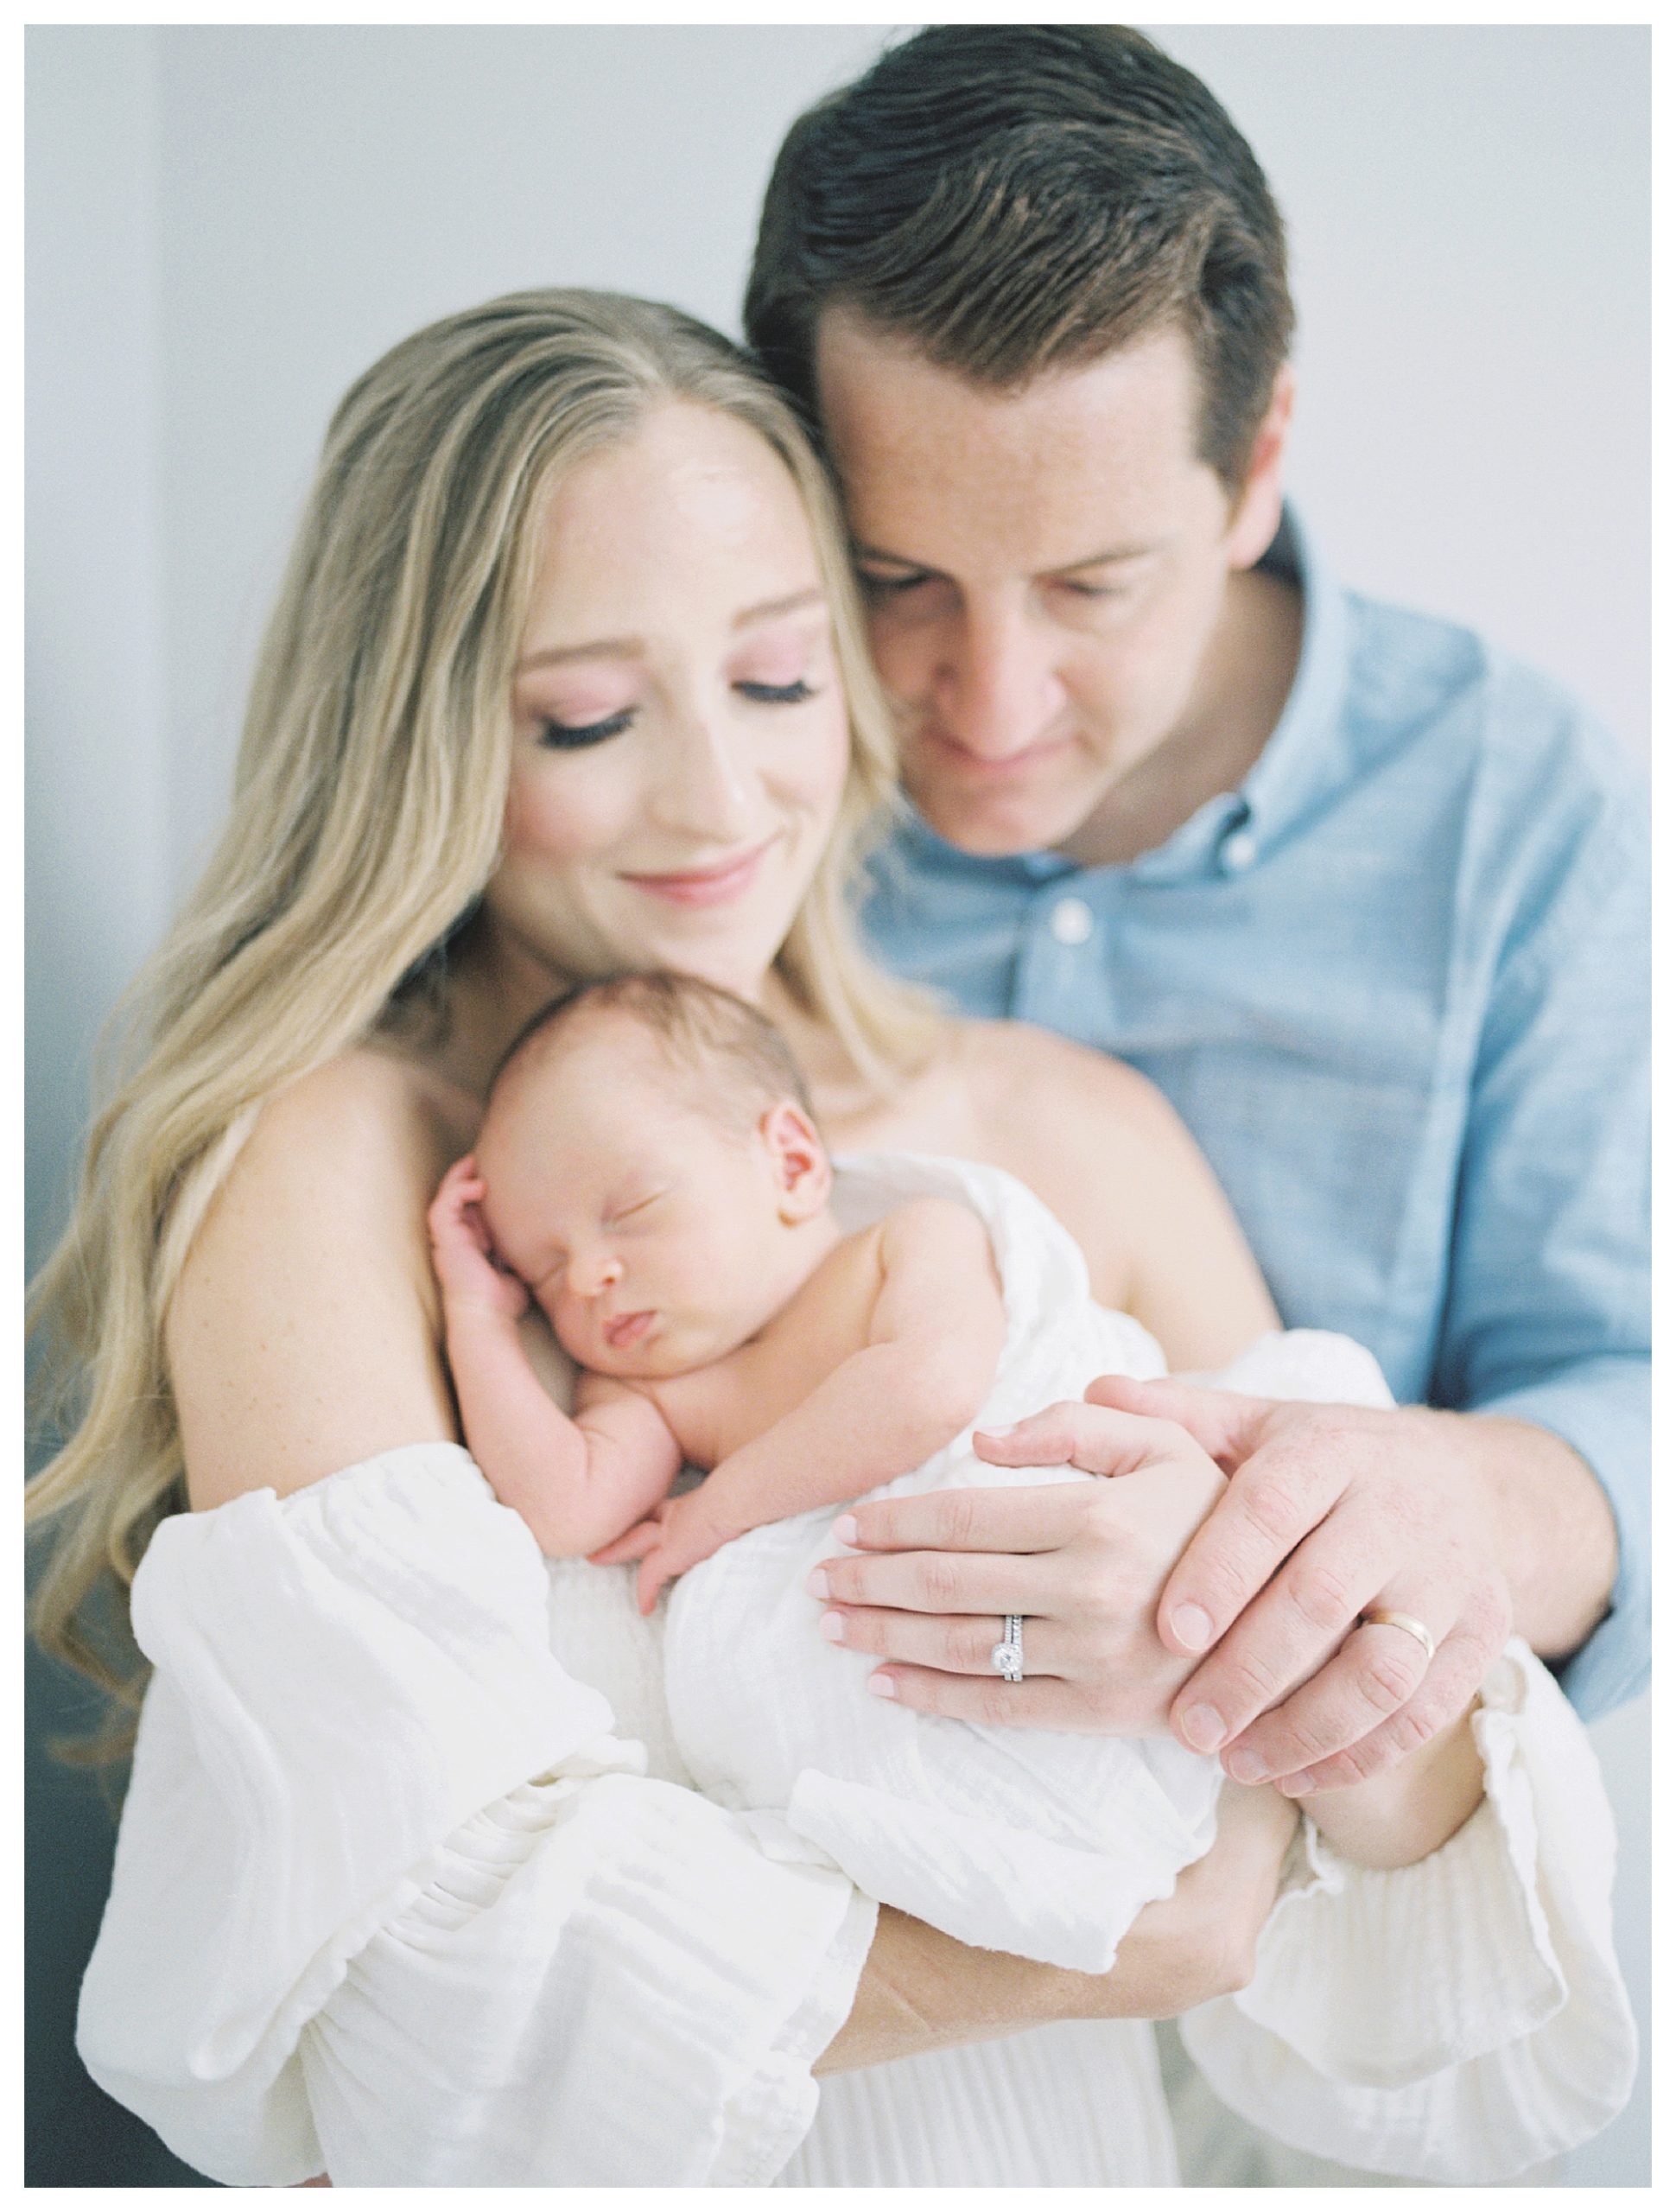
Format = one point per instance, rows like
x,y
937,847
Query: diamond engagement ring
x,y
1381,1617
1007,1657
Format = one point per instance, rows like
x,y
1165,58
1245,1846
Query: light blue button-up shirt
x,y
1396,987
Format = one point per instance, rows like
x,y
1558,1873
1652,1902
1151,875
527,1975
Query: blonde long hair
x,y
367,820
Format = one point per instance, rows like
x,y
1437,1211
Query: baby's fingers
x,y
656,1569
633,1543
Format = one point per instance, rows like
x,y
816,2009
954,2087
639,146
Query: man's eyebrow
x,y
1109,557
634,648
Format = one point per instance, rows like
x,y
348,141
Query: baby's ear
x,y
802,1173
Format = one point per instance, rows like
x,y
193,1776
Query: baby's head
x,y
654,1173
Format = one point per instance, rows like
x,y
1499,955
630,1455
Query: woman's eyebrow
x,y
598,648
634,648
769,610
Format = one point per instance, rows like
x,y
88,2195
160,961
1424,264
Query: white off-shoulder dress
x,y
410,1889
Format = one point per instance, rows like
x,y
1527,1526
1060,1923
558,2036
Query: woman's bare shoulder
x,y
1017,1072
303,1334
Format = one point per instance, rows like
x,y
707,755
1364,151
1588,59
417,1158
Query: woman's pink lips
x,y
627,1328
706,886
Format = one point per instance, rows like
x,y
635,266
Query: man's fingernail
x,y
1191,1626
832,1627
1201,1725
816,1584
844,1527
881,1684
1247,1766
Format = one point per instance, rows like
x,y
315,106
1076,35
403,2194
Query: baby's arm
x,y
578,1483
935,1334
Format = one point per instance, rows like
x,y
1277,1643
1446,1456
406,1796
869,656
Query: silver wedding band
x,y
1381,1618
1007,1657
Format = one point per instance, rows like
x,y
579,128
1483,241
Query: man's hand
x,y
1084,1562
675,1537
460,1248
1329,1510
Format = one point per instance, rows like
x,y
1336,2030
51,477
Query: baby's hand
x,y
460,1249
680,1533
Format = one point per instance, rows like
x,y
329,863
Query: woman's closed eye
x,y
778,695
572,737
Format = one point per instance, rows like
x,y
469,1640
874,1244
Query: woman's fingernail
x,y
881,1684
844,1527
1191,1626
816,1584
1247,1766
832,1627
1295,1785
1201,1725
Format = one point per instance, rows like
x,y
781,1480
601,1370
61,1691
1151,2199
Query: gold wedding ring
x,y
1381,1618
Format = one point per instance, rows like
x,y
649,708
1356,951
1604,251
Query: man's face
x,y
1045,567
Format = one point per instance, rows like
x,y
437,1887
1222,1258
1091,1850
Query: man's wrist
x,y
1550,1523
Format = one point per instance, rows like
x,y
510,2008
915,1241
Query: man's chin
x,y
995,828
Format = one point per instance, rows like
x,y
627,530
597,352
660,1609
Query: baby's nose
x,y
593,1273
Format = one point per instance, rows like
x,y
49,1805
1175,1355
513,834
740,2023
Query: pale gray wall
x,y
224,224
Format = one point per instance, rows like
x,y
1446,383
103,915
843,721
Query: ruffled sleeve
x,y
392,1898
1458,2020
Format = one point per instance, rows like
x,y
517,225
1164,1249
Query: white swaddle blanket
x,y
1031,1841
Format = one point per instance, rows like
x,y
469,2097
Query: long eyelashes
x,y
776,695
574,737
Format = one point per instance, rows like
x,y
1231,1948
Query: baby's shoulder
x,y
933,1240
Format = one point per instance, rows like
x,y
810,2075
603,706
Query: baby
x,y
649,1168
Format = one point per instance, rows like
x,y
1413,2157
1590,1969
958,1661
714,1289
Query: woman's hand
x,y
1084,1563
462,1251
922,1991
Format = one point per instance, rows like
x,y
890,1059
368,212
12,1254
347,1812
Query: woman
x,y
566,677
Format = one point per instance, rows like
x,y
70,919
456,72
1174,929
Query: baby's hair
x,y
695,1025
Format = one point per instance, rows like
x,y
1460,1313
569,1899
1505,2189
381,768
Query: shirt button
x,y
1239,851
1072,921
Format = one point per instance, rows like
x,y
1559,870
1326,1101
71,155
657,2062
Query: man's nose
x,y
996,687
705,786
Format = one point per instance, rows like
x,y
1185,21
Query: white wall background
x,y
224,224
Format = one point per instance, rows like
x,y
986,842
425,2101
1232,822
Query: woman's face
x,y
681,740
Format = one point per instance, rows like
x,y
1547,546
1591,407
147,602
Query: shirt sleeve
x,y
1547,1318
393,1899
1456,2021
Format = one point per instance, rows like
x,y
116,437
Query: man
x,y
1365,899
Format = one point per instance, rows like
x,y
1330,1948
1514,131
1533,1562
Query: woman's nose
x,y
704,791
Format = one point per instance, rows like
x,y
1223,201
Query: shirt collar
x,y
1301,756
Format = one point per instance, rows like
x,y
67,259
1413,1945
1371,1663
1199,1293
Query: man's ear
x,y
1256,515
802,1173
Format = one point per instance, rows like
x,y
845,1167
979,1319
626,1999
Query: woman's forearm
x,y
922,1991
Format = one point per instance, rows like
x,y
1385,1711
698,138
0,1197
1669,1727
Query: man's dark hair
x,y
1013,197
